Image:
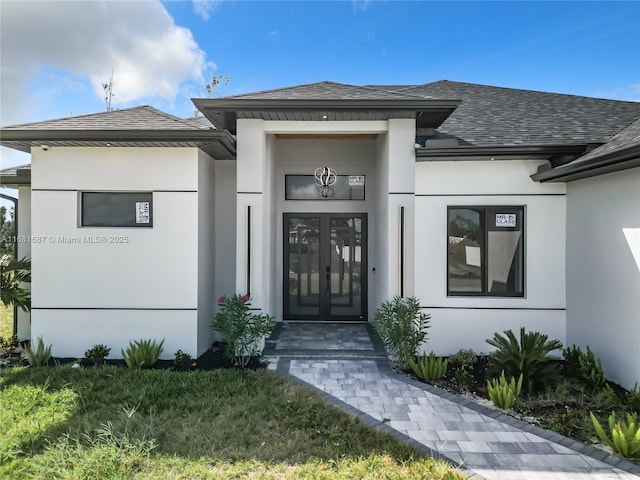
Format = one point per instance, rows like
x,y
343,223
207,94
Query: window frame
x,y
81,208
489,211
319,197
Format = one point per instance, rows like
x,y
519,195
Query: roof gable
x,y
327,90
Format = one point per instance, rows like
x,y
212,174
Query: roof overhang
x,y
16,176
219,144
554,153
224,112
609,163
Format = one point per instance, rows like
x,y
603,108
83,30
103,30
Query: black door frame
x,y
325,243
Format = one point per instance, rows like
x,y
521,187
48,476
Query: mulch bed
x,y
212,359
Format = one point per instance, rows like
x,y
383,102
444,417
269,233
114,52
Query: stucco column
x,y
251,231
400,207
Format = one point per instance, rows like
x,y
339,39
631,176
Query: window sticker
x,y
356,180
142,212
505,219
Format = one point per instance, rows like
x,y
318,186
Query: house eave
x,y
506,152
224,112
221,142
613,162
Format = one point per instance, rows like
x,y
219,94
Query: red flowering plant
x,y
241,328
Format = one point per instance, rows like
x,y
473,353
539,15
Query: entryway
x,y
325,266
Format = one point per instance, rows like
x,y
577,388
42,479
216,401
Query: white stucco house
x,y
498,208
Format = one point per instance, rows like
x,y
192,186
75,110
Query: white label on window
x,y
505,219
473,255
142,212
356,180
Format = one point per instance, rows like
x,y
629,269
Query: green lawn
x,y
6,321
115,423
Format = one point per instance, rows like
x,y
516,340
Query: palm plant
x,y
528,356
14,272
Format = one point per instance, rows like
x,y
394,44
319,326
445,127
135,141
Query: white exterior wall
x,y
225,228
466,322
141,283
206,260
24,250
603,271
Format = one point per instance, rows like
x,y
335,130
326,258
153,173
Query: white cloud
x,y
150,55
629,93
203,8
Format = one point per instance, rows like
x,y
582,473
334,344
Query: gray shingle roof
x,y
623,140
495,116
329,91
136,118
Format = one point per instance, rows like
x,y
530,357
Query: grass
x,y
6,321
115,423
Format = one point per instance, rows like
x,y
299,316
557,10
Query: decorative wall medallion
x,y
325,180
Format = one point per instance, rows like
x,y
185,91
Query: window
x,y
303,187
485,251
116,209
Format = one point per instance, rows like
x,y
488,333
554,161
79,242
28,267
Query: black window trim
x,y
136,226
485,293
320,198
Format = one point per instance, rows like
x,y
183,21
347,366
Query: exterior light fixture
x,y
325,180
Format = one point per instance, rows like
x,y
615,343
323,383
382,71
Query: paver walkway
x,y
485,442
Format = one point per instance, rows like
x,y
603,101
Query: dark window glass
x,y
485,251
117,209
304,187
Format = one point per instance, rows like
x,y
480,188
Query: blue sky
x,y
55,55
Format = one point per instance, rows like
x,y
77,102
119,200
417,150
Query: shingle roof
x,y
496,116
137,118
329,91
625,139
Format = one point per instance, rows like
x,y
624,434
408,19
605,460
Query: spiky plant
x,y
528,355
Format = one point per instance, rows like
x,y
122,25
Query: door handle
x,y
328,277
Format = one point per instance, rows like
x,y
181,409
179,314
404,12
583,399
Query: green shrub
x,y
183,360
503,394
429,368
97,354
241,329
463,363
529,356
633,398
40,356
401,327
625,436
585,367
142,353
10,345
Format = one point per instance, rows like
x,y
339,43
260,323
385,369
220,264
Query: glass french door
x,y
325,266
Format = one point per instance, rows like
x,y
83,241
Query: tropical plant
x,y
503,394
585,367
401,327
633,398
10,345
142,353
528,356
625,436
40,356
97,354
241,329
463,362
13,273
429,368
183,360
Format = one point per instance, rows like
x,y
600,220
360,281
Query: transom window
x,y
304,187
116,209
485,251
